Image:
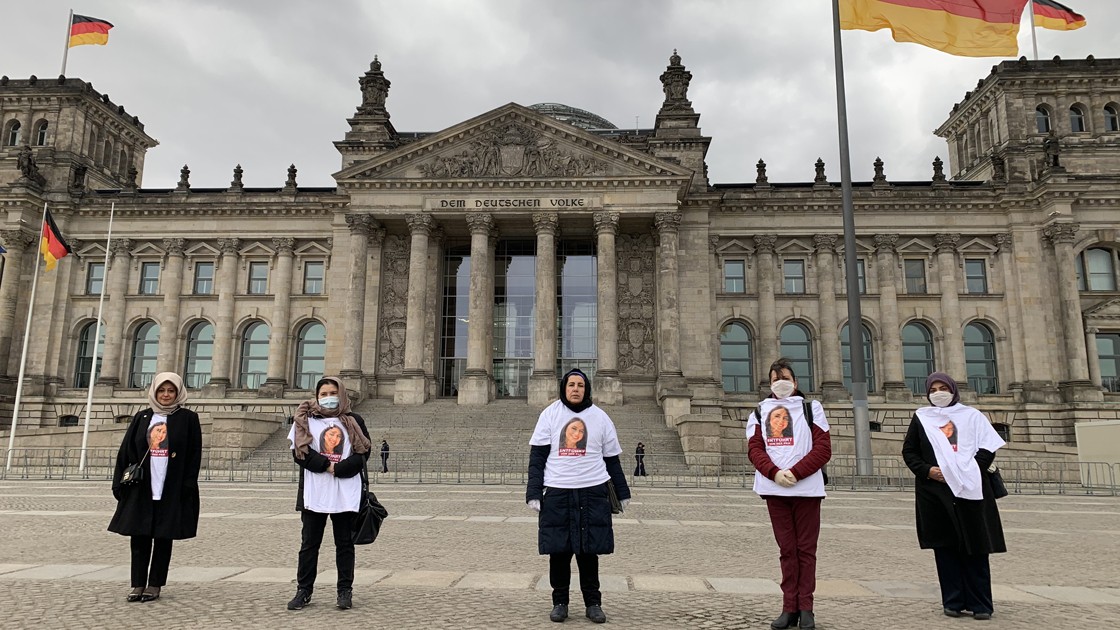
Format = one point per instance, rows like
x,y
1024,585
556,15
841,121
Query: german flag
x,y
52,246
1059,17
968,28
88,30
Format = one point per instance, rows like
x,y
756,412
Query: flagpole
x,y
1034,38
860,413
66,51
26,338
97,338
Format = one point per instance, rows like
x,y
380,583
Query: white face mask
x,y
329,402
941,399
782,389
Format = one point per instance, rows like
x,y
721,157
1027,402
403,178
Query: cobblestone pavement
x,y
465,557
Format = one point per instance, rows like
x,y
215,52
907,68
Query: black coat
x,y
317,462
574,520
943,520
179,505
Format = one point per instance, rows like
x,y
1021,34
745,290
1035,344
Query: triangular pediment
x,y
148,250
734,247
513,142
1107,311
202,250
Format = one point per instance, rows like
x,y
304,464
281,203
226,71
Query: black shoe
x,y
135,595
807,620
345,599
150,594
949,612
559,613
785,620
302,598
595,613
982,616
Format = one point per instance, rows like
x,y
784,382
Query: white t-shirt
x,y
579,442
158,453
788,440
323,492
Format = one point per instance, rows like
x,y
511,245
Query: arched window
x,y
122,163
1111,118
311,352
868,358
1108,358
980,359
735,358
41,134
254,355
145,350
917,356
12,137
200,355
797,346
85,355
106,153
1041,120
1101,274
1077,119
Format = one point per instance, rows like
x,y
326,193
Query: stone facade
x,y
1008,267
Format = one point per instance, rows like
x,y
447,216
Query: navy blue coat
x,y
576,521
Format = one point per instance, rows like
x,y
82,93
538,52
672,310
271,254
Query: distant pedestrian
x,y
384,456
640,459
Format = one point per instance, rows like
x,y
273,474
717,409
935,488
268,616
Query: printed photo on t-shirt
x,y
949,430
573,439
779,427
331,442
157,439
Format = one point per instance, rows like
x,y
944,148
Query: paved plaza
x,y
465,557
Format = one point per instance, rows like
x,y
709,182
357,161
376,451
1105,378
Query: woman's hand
x,y
935,474
330,468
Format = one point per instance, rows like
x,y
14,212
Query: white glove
x,y
535,504
624,502
785,479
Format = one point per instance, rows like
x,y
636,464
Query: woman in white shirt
x,y
331,445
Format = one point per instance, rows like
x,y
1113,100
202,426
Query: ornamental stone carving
x,y
174,246
1004,241
360,223
479,222
667,222
420,223
636,305
514,150
938,170
17,238
825,242
946,242
394,304
121,247
674,82
377,236
885,243
546,223
764,243
284,245
375,89
1061,232
605,222
761,178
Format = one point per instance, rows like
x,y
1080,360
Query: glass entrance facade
x,y
515,282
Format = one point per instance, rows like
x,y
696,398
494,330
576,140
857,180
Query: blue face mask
x,y
329,402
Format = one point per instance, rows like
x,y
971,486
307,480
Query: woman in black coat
x,y
166,439
949,447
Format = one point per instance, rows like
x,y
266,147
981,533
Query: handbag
x,y
999,488
367,524
616,505
134,473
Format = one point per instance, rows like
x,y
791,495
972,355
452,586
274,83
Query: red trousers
x,y
797,525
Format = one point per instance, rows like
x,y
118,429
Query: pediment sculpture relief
x,y
514,150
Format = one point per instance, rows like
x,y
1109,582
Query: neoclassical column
x,y
360,226
17,243
117,277
542,384
669,318
1093,355
608,387
223,325
767,309
474,385
832,378
411,387
950,306
1019,371
172,284
1061,236
281,285
372,313
894,384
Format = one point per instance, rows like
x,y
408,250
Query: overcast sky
x,y
266,83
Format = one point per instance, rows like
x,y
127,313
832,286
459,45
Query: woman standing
x,y
949,448
331,444
166,439
788,454
574,455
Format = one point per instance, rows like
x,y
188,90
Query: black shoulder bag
x,y
367,524
134,473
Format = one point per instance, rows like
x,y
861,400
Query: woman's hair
x,y
788,430
321,383
341,439
582,443
779,365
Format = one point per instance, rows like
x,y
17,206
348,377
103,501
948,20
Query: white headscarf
x,y
973,432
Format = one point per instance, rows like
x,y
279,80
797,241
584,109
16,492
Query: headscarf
x,y
359,443
583,404
973,432
180,393
948,380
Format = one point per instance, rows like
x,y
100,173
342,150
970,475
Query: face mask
x,y
941,399
782,389
329,402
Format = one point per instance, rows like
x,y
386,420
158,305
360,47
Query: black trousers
x,y
384,462
966,580
314,524
155,552
640,468
560,577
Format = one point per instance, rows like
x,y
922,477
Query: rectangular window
x,y
915,275
258,278
313,277
149,278
793,272
734,276
861,275
203,278
95,278
975,275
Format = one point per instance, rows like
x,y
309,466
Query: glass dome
x,y
573,116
